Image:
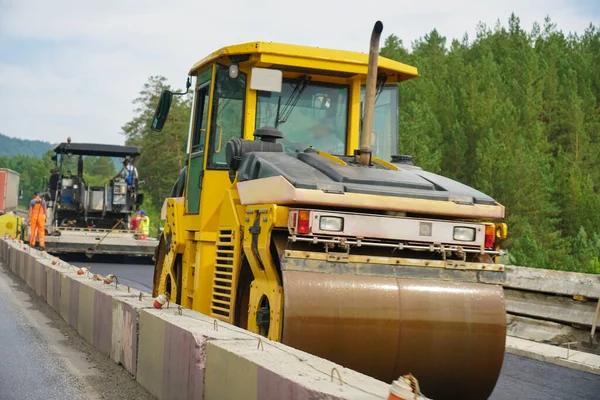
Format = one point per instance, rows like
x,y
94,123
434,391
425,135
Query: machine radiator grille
x,y
223,289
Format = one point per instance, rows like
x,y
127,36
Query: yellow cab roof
x,y
305,59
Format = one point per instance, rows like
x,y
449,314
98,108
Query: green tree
x,y
515,114
163,153
527,251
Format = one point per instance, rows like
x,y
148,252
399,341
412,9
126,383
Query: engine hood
x,y
309,170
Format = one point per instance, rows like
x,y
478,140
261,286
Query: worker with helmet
x,y
37,219
129,173
144,226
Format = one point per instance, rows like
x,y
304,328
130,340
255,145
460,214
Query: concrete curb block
x,y
577,360
551,281
181,354
103,315
233,363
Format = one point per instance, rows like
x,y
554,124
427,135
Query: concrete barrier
x,y
105,316
125,331
53,278
194,357
551,281
548,332
181,354
550,307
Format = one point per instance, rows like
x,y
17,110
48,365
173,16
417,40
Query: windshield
x,y
385,122
96,171
308,114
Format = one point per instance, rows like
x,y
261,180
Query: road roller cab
x,y
288,222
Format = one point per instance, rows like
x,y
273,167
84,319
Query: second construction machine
x,y
89,218
296,219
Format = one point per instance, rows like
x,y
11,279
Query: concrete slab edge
x,y
181,355
576,360
552,281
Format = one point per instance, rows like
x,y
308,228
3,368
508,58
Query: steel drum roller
x,y
449,335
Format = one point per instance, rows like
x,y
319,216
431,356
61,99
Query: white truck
x,y
9,190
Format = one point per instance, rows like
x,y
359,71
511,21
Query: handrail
x,y
218,150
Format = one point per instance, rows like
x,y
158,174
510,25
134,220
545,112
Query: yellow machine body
x,y
227,250
11,225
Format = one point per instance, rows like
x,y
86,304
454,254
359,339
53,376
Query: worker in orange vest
x,y
37,219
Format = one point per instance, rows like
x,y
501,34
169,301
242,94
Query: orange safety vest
x,y
38,209
37,222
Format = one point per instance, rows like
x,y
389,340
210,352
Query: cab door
x,y
197,151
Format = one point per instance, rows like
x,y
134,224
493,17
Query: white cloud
x,y
101,53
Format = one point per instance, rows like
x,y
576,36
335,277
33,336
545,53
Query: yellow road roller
x,y
297,218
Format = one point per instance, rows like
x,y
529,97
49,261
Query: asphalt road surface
x,y
42,357
526,379
138,276
521,378
28,369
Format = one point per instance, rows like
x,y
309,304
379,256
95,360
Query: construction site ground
x,y
44,358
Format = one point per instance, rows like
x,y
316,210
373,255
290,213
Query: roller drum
x,y
449,335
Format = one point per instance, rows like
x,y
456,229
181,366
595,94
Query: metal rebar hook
x,y
338,374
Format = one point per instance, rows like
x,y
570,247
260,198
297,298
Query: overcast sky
x,y
72,68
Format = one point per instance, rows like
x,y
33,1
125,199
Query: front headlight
x,y
464,234
335,224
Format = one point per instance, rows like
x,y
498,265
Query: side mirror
x,y
162,111
21,193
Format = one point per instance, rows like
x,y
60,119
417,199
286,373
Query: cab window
x,y
227,117
202,96
384,140
308,114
